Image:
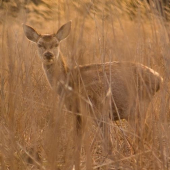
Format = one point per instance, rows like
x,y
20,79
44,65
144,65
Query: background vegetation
x,y
35,132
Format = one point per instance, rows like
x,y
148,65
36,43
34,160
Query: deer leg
x,y
82,132
105,126
107,143
137,122
78,141
85,111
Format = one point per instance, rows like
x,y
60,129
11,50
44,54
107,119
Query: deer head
x,y
48,44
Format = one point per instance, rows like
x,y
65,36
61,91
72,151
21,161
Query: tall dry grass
x,y
36,131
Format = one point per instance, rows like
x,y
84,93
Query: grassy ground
x,y
35,131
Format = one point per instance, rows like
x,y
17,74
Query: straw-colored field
x,y
36,130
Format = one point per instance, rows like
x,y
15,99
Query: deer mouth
x,y
49,61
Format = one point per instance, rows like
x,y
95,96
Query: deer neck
x,y
56,73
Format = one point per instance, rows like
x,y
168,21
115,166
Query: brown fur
x,y
131,85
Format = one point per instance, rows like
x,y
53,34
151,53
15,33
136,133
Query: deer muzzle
x,y
48,55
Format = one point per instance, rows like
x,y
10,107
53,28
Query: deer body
x,y
129,83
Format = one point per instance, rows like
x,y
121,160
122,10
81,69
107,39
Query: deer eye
x,y
56,45
40,46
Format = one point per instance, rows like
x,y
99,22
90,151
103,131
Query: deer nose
x,y
48,55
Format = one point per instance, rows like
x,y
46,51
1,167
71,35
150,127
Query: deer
x,y
121,88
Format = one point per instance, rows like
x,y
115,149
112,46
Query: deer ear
x,y
64,31
30,33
